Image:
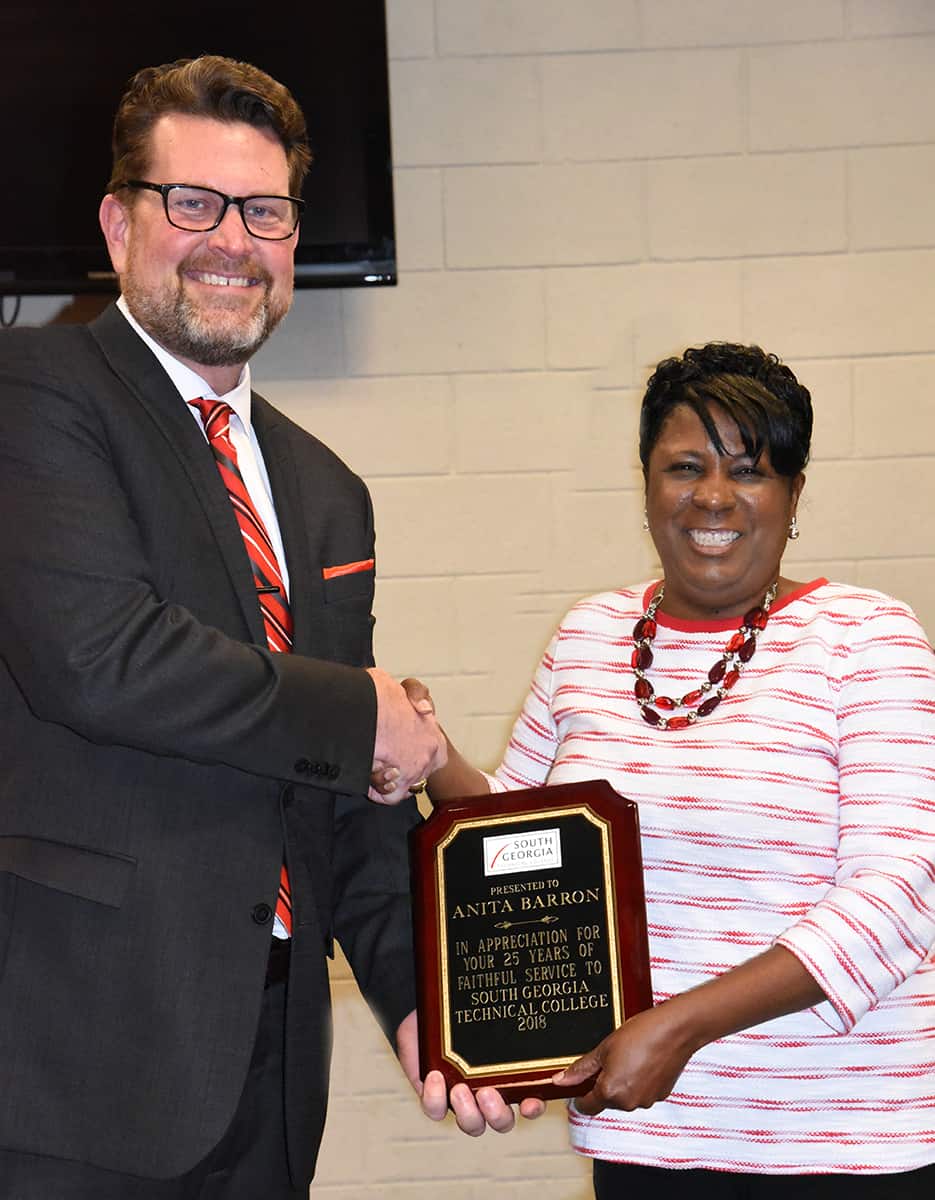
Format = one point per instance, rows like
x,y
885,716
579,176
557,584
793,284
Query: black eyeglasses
x,y
200,209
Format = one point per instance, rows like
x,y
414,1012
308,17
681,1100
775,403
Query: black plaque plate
x,y
530,932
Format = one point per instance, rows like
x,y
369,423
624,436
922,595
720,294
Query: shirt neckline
x,y
729,623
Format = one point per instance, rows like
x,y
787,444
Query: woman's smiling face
x,y
719,521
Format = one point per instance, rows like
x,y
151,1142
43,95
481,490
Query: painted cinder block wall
x,y
581,190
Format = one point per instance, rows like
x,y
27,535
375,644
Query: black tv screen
x,y
65,66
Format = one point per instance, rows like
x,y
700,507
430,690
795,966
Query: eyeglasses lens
x,y
195,209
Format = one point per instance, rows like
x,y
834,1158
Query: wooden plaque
x,y
530,933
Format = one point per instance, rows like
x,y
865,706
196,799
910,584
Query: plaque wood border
x,y
617,822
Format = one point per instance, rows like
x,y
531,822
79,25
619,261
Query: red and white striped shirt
x,y
800,812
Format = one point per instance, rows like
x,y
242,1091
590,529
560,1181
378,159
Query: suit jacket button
x,y
262,914
302,766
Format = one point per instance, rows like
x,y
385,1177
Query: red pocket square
x,y
354,568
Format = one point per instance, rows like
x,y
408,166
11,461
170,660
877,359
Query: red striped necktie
x,y
270,589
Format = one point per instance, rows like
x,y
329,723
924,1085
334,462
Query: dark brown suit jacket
x,y
155,758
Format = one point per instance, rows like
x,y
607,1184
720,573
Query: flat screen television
x,y
65,66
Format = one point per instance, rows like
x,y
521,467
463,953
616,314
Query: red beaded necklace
x,y
721,678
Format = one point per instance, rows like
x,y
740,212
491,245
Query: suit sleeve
x,y
372,916
92,645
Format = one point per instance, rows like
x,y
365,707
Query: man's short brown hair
x,y
209,86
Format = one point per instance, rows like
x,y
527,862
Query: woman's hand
x,y
383,778
640,1062
635,1066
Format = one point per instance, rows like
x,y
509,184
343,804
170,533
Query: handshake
x,y
409,743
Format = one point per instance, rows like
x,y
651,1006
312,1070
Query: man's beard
x,y
194,333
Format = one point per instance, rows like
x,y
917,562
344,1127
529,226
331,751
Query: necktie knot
x,y
215,416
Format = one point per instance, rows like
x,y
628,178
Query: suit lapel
x,y
144,378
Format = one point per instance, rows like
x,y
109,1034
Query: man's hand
x,y
473,1113
408,737
384,775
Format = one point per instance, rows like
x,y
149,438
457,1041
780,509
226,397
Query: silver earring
x,y
645,521
794,530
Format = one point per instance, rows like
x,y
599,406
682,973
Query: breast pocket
x,y
343,587
348,599
342,580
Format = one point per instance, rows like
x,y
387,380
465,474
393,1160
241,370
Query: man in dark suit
x,y
188,706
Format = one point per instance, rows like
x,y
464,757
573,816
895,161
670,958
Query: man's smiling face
x,y
210,298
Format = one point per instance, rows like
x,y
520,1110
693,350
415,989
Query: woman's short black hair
x,y
771,409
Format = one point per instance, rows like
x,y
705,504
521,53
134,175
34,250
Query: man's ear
x,y
115,223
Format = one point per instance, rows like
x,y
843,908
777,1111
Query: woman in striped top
x,y
779,738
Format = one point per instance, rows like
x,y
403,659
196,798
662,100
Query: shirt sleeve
x,y
876,925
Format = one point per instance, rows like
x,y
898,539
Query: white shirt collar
x,y
189,384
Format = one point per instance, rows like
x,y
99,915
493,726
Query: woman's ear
x,y
796,490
